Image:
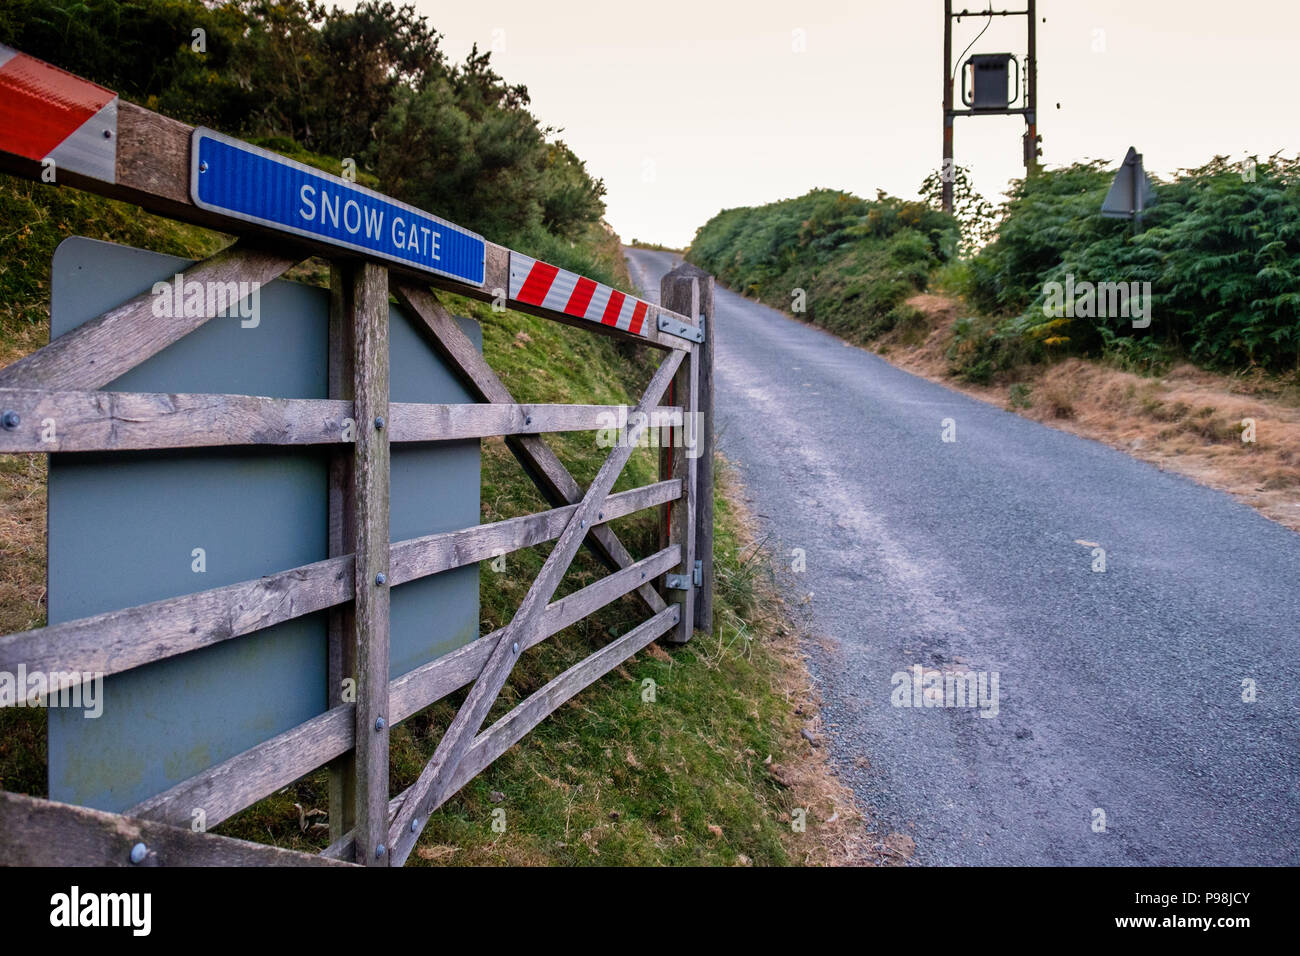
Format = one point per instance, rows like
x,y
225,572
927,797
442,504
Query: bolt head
x,y
415,826
203,167
11,419
108,134
380,724
381,578
379,421
139,852
515,647
380,851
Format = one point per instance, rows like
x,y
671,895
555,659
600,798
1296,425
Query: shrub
x,y
1221,251
855,260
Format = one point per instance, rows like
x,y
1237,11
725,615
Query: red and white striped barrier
x,y
533,282
46,113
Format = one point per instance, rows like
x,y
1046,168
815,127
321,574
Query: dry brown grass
x,y
22,542
1188,421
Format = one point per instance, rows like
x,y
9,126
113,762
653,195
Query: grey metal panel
x,y
122,529
284,356
434,487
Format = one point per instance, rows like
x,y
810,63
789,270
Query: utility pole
x,y
988,96
1031,117
946,171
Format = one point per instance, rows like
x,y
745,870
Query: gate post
x,y
704,461
681,293
689,290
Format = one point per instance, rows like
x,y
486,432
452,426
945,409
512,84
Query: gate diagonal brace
x,y
435,781
538,460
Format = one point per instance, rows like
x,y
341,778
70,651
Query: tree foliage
x,y
977,217
854,260
372,84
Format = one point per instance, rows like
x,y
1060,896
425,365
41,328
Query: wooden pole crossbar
x,y
356,426
36,832
153,171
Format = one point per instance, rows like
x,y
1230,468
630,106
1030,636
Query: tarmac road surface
x,y
1119,692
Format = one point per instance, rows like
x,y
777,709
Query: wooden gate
x,y
150,167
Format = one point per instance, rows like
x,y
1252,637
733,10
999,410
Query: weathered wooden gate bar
x,y
536,457
526,715
679,461
36,832
368,303
60,383
418,557
118,641
705,440
245,778
435,680
95,353
512,726
90,420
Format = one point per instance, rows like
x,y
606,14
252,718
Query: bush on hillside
x,y
855,260
1220,249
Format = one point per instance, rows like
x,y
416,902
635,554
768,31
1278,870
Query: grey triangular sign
x,y
1124,201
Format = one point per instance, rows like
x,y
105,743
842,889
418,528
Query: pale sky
x,y
687,107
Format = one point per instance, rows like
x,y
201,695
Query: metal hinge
x,y
680,582
680,329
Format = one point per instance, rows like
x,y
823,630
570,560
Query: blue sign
x,y
233,178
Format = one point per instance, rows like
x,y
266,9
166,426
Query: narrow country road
x,y
1120,692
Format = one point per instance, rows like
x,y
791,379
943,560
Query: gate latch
x,y
680,329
